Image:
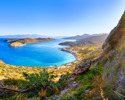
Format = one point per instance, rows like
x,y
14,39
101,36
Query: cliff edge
x,y
113,58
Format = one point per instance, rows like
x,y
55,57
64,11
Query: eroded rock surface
x,y
81,69
113,56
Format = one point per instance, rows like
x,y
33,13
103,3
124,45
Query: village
x,y
75,52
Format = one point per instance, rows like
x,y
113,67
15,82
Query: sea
x,y
43,54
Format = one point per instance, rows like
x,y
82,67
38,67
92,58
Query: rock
x,y
63,77
113,57
58,99
122,80
87,91
75,85
80,69
70,77
64,91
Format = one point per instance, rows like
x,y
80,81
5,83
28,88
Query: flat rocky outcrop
x,y
22,42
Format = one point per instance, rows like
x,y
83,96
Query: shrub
x,y
40,83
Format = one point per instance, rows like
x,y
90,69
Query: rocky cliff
x,y
113,58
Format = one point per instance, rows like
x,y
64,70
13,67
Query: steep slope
x,y
113,59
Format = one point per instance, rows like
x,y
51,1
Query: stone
x,y
80,69
75,85
70,77
86,91
58,99
62,77
122,80
64,91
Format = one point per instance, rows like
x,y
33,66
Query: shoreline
x,y
68,64
58,66
25,41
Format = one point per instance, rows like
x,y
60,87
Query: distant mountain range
x,y
78,37
84,37
30,36
88,37
23,36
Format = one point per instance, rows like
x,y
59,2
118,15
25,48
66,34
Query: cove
x,y
42,54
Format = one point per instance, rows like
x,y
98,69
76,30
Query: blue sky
x,y
59,17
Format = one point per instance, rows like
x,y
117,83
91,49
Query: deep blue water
x,y
37,54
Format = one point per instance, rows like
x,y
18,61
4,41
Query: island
x,y
22,42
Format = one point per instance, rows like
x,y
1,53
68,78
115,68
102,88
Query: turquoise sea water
x,y
37,54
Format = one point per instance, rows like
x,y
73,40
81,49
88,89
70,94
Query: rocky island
x,y
22,42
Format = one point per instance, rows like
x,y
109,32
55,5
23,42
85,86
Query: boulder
x,y
81,69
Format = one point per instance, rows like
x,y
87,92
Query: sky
x,y
59,17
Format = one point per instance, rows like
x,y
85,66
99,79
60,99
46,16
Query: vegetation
x,y
44,81
98,83
37,85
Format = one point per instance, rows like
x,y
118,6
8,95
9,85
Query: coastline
x,y
66,65
17,70
70,64
67,49
25,41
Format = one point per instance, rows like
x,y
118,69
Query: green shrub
x,y
43,80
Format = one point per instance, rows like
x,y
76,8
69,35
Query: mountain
x,y
97,37
113,58
23,36
78,37
110,81
85,40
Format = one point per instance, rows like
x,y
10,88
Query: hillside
x,y
113,58
86,40
98,74
102,77
78,37
98,38
87,37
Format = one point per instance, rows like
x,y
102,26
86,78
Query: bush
x,y
42,81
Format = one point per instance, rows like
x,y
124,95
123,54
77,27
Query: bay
x,y
42,54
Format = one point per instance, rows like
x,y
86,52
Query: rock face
x,y
113,57
22,42
81,69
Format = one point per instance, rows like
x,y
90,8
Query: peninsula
x,y
22,42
